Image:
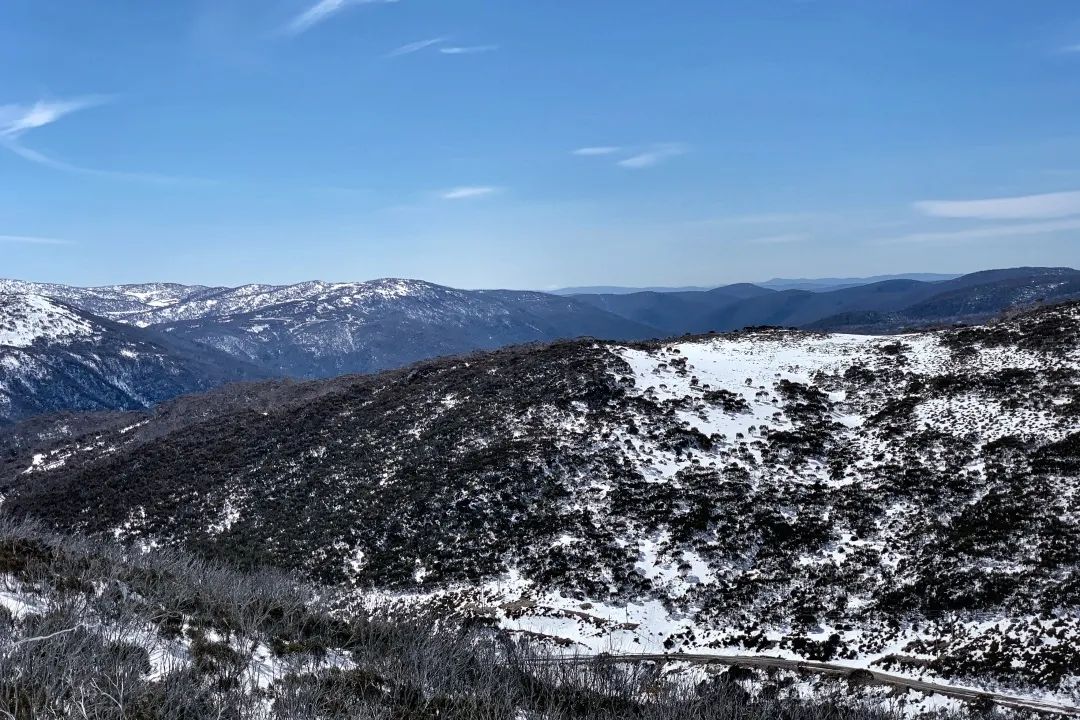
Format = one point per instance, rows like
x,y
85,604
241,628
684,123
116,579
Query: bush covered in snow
x,y
94,630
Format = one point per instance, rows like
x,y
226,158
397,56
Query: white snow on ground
x,y
748,367
228,516
24,319
680,375
20,604
168,655
592,628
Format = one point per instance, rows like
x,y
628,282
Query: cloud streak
x,y
30,240
421,45
414,47
468,192
19,120
15,120
468,50
988,232
786,239
635,158
597,151
654,156
1026,207
323,11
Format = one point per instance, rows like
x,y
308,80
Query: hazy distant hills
x,y
884,306
675,313
823,284
623,290
815,284
963,300
200,337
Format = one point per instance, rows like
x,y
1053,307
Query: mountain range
x,y
54,357
902,503
883,306
195,337
836,283
817,284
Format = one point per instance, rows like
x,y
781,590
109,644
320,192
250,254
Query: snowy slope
x,y
116,302
323,329
54,357
906,502
28,319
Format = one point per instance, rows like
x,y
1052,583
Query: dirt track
x,y
763,661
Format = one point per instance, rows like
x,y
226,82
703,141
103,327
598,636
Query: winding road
x,y
822,668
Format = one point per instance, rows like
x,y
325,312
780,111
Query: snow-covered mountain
x,y
122,303
322,330
318,329
54,357
908,503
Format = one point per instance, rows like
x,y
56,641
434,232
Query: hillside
x,y
676,312
318,329
115,302
825,284
890,305
964,303
366,327
90,629
906,502
54,357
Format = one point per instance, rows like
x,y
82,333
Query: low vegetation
x,y
95,630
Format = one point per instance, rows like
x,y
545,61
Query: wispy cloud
x,y
421,45
1071,49
1026,207
30,240
415,47
786,239
635,158
987,232
468,192
468,50
324,10
653,156
17,121
777,218
597,151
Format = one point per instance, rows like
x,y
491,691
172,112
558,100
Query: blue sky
x,y
535,143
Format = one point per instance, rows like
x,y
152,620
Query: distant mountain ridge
x,y
209,335
836,283
348,328
130,346
819,284
875,307
623,290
